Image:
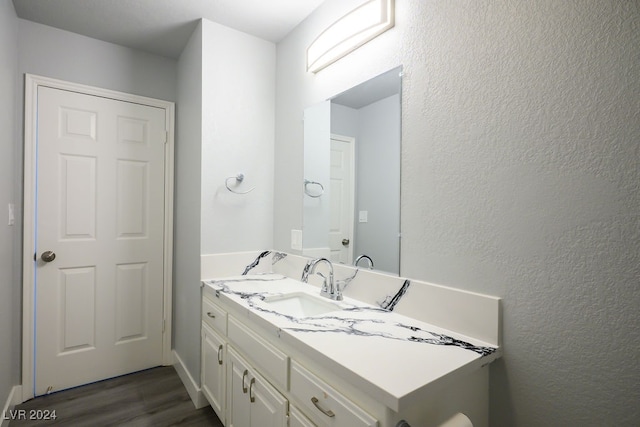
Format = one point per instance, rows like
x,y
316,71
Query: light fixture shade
x,y
350,32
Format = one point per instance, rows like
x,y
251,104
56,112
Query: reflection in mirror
x,y
352,175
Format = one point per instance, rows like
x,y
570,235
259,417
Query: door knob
x,y
345,242
48,256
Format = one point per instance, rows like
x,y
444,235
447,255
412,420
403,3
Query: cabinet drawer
x,y
214,316
323,404
270,361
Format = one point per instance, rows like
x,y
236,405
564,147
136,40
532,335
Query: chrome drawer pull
x,y
211,315
244,375
219,358
252,398
327,412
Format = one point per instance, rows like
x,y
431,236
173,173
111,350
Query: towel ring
x,y
308,193
239,178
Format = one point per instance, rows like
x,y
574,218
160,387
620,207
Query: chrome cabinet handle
x,y
328,412
48,256
211,315
252,398
219,358
244,375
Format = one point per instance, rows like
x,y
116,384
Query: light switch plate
x,y
296,240
363,216
12,216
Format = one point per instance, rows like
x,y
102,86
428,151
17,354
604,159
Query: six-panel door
x,y
100,210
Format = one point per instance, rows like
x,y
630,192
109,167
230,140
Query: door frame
x,y
32,82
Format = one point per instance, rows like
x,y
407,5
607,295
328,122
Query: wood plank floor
x,y
155,397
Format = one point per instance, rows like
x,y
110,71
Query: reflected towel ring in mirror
x,y
310,193
239,178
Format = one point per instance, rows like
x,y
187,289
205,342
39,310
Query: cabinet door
x,y
268,406
238,391
253,402
297,419
213,370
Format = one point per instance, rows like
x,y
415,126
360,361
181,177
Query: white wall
x,y
63,55
376,128
238,109
27,47
520,178
225,126
224,85
344,120
186,280
378,183
10,296
317,161
59,54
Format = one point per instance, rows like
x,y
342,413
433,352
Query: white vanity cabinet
x,y
253,402
353,366
250,380
310,362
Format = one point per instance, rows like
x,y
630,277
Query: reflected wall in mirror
x,y
352,175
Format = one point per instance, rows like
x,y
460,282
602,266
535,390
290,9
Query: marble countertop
x,y
395,359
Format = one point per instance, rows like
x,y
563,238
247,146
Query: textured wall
x,y
521,176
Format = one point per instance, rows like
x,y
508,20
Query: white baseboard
x,y
14,398
193,388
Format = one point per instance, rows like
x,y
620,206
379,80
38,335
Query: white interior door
x,y
341,200
100,209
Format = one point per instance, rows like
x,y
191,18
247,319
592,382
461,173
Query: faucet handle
x,y
305,271
325,287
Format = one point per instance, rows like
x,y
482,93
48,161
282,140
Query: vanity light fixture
x,y
348,33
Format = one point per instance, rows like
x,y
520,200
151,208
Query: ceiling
x,y
380,87
163,27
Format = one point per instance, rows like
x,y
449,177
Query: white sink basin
x,y
300,304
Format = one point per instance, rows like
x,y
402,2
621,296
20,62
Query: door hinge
x,y
163,323
166,137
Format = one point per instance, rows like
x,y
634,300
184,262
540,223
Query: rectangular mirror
x,y
352,146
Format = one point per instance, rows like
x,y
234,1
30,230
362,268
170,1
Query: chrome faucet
x,y
367,257
329,288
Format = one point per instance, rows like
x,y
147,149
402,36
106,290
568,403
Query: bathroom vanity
x,y
276,353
